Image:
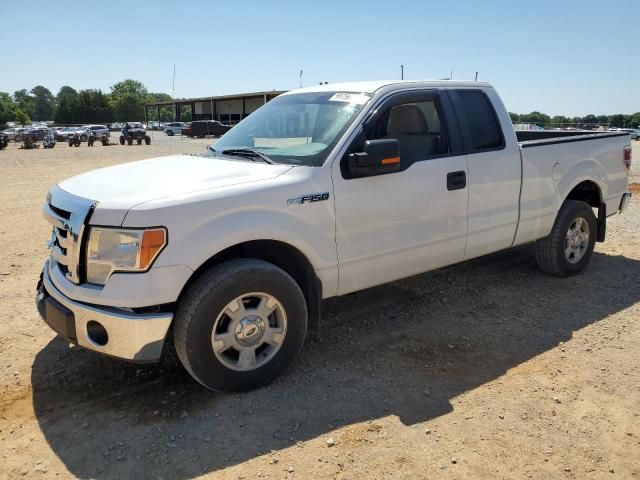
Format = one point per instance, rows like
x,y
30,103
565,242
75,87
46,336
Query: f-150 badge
x,y
309,198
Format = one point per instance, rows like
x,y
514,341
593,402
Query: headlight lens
x,y
112,250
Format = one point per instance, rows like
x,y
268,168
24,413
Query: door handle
x,y
456,180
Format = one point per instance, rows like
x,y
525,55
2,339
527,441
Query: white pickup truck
x,y
321,192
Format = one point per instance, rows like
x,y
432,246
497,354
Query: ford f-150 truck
x,y
321,192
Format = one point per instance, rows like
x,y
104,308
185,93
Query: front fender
x,y
198,230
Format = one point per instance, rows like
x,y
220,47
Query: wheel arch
x,y
282,255
587,191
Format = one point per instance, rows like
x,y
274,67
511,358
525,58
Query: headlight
x,y
112,250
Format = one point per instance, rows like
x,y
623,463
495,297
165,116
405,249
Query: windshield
x,y
298,129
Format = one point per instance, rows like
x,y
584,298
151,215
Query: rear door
x,y
493,158
399,224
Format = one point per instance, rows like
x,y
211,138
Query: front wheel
x,y
83,138
569,247
121,139
170,133
147,140
240,325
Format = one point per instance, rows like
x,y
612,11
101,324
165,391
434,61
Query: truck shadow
x,y
403,349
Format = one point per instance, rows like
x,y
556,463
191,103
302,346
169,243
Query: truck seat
x,y
408,125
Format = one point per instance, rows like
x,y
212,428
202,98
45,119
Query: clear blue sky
x,y
561,57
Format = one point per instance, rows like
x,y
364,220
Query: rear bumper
x,y
624,203
119,332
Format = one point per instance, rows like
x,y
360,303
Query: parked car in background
x,y
37,133
173,128
14,132
634,133
85,130
202,128
60,134
186,130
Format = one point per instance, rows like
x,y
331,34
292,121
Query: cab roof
x,y
373,85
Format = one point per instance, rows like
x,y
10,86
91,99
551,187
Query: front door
x,y
399,224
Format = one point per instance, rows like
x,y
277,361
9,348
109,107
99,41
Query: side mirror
x,y
379,157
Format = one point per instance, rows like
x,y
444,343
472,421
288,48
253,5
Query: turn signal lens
x,y
152,243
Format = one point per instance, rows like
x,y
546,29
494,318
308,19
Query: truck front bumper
x,y
118,332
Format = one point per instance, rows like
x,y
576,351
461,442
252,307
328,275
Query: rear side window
x,y
481,121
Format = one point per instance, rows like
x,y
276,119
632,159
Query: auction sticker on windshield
x,y
357,98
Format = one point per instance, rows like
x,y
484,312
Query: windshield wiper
x,y
249,153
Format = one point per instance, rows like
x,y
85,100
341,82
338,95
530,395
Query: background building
x,y
229,109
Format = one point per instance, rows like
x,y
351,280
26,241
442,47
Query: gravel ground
x,y
487,369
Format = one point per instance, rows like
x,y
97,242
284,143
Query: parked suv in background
x,y
173,128
85,130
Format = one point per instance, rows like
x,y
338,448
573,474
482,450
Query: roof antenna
x,y
451,76
476,77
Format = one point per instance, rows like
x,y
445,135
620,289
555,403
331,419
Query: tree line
x,y
125,102
618,120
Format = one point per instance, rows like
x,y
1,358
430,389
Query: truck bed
x,y
551,165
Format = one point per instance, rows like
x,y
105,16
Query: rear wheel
x,y
170,133
121,139
240,325
569,247
139,141
83,138
129,141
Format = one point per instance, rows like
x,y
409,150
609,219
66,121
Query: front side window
x,y
418,127
298,129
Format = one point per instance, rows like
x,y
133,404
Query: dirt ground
x,y
488,369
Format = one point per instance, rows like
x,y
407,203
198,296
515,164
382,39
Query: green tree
x,y
24,101
559,120
21,117
43,103
633,121
616,121
66,92
7,107
92,107
66,105
535,117
515,118
128,99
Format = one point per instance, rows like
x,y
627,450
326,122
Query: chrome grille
x,y
68,215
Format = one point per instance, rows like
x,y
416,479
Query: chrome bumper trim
x,y
132,336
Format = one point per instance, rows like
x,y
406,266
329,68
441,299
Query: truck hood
x,y
121,187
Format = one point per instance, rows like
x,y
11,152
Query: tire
x,y
569,247
147,140
121,139
204,307
129,141
139,141
170,133
83,138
